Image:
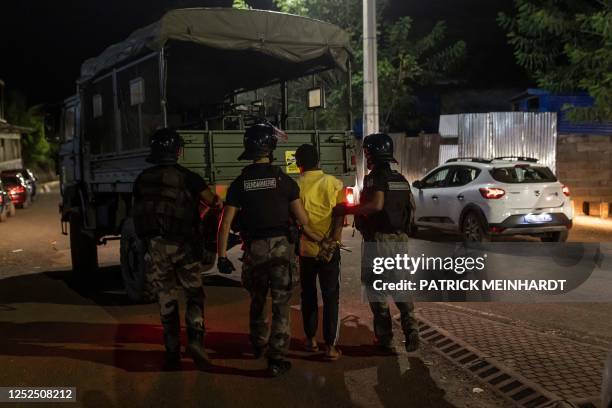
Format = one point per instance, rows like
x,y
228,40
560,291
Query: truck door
x,y
69,151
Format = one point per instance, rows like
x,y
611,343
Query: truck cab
x,y
209,74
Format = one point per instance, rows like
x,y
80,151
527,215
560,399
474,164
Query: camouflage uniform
x,y
378,301
172,265
269,265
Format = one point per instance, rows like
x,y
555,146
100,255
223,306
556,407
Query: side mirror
x,y
417,184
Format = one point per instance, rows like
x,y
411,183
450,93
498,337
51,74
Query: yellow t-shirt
x,y
320,193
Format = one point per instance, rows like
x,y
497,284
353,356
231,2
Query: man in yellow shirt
x,y
320,250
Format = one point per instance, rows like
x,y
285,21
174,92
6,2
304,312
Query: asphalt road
x,y
53,334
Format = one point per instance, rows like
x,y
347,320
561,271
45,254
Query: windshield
x,y
523,174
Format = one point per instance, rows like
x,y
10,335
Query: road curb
x,y
48,186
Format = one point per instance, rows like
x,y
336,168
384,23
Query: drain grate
x,y
510,385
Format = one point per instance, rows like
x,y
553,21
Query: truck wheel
x,y
134,266
83,249
209,259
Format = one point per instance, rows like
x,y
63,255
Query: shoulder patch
x,y
260,184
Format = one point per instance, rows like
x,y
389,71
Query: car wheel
x,y
560,236
134,267
11,210
474,228
83,251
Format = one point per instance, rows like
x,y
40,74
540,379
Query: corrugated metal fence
x,y
416,155
496,134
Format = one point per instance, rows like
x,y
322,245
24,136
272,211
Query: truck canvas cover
x,y
290,39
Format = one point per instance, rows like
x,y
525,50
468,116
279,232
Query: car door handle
x,y
460,197
434,197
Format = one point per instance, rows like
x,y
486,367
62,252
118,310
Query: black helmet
x,y
379,146
165,144
259,141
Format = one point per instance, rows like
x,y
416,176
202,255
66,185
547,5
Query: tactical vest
x,y
397,209
164,206
265,211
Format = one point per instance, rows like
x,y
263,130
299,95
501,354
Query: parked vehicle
x,y
30,179
18,188
482,198
7,208
209,74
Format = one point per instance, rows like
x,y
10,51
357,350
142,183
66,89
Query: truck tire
x,y
134,266
83,250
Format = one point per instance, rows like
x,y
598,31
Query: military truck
x,y
209,73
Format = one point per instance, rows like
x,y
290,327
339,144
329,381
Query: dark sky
x,y
44,42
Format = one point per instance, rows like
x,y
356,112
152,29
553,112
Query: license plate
x,y
538,218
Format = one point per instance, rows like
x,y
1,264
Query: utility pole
x,y
370,69
370,81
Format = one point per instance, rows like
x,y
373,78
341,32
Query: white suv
x,y
480,198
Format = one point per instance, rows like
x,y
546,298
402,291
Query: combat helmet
x,y
378,147
165,145
259,141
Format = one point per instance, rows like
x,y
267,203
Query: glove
x,y
327,249
225,266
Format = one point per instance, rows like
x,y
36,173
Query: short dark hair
x,y
306,157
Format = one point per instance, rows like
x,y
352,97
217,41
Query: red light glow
x,y
492,193
566,191
349,196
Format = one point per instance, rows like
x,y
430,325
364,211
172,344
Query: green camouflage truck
x,y
209,73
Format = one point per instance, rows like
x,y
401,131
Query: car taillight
x,y
349,195
492,193
1,198
566,191
17,190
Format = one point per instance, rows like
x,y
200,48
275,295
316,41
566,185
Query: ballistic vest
x,y
397,209
265,206
164,206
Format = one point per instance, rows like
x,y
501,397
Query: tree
x,y
404,62
37,153
566,45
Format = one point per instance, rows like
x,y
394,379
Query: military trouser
x,y
383,327
172,266
269,265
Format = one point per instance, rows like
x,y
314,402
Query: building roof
x,y
8,128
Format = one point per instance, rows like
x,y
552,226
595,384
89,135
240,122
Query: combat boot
x,y
278,367
195,348
172,342
386,347
259,351
412,341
